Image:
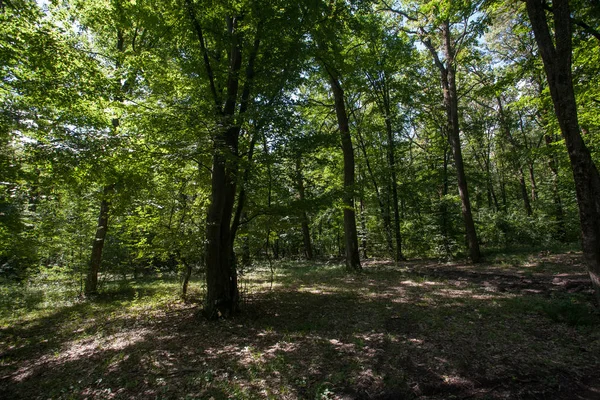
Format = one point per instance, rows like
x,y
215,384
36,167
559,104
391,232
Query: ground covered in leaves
x,y
517,327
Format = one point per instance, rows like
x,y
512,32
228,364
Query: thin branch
x,y
399,12
207,65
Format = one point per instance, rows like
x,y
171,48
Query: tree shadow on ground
x,y
387,334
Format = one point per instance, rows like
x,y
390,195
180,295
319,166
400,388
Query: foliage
x,y
117,93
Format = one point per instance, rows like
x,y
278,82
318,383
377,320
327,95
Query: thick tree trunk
x,y
221,292
221,277
556,55
91,282
350,233
222,295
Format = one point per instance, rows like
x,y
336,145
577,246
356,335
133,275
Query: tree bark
x,y
91,282
350,233
398,256
556,55
221,278
448,80
524,194
308,252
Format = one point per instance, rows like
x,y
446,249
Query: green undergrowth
x,y
41,297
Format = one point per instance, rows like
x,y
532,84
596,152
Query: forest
x,y
319,199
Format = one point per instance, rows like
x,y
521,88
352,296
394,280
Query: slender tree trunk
x,y
507,132
385,215
533,184
308,252
448,79
524,194
556,55
559,214
445,224
363,227
186,278
91,283
350,233
398,256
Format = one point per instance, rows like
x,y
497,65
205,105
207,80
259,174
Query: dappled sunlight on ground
x,y
418,330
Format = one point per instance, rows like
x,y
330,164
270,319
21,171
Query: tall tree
x,y
118,32
556,52
332,59
447,70
233,43
445,28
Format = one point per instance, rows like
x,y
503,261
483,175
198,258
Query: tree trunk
x,y
556,56
444,218
363,227
221,292
350,233
221,278
448,79
91,283
398,256
186,278
524,194
534,195
385,215
559,214
222,295
304,217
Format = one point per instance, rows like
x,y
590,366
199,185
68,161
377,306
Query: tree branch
x,y
209,71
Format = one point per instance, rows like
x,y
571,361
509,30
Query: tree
x,y
331,60
234,42
456,25
556,52
390,90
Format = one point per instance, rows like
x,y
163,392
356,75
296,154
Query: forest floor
x,y
517,327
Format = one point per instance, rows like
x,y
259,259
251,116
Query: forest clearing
x,y
282,199
519,327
